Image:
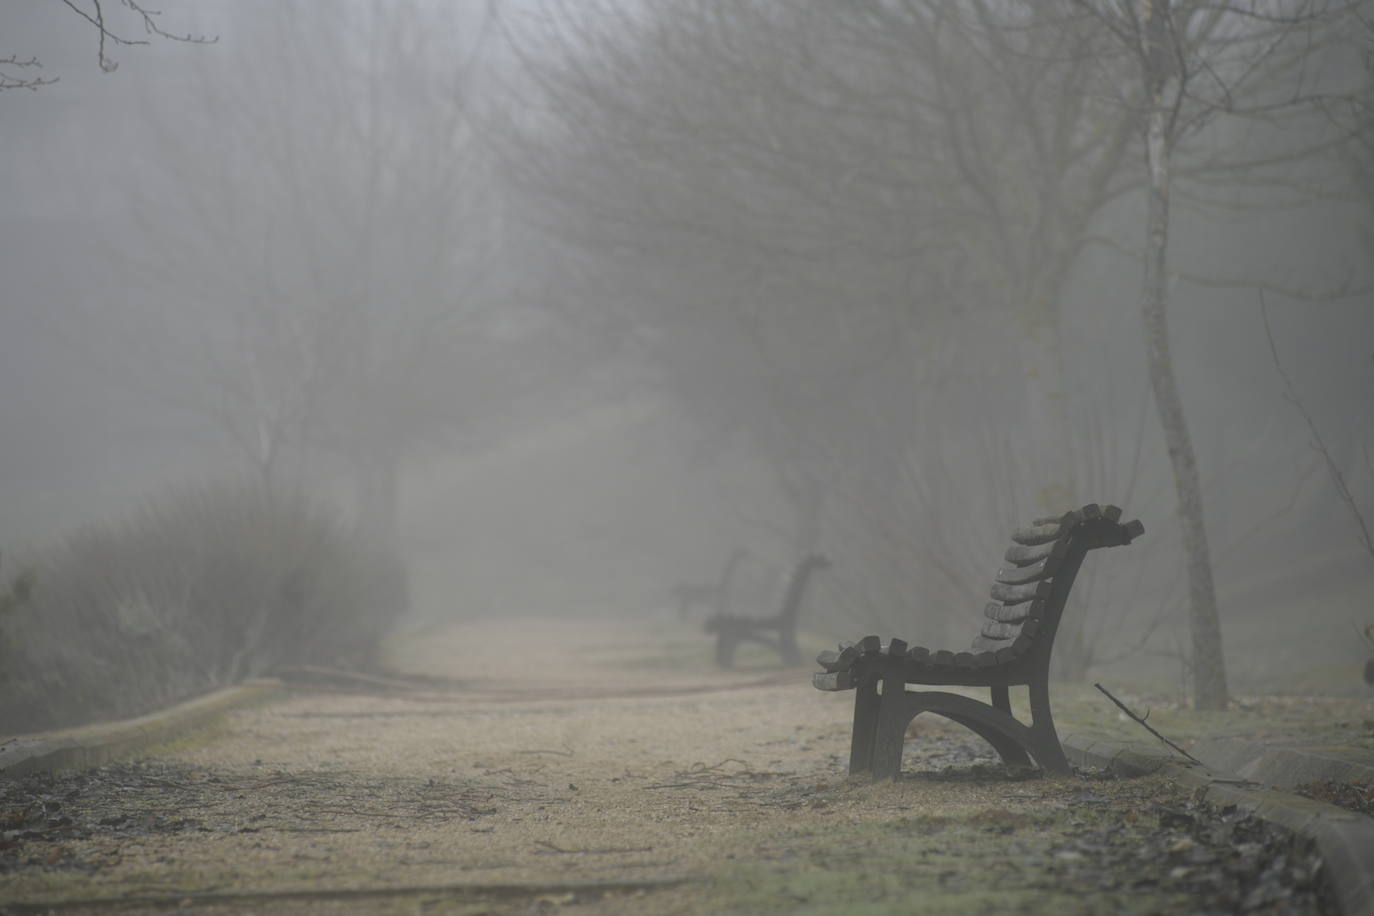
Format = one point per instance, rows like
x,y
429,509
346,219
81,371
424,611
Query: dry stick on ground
x,y
551,848
700,775
456,891
1127,710
566,752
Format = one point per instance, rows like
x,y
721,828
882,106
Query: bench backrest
x,y
1029,592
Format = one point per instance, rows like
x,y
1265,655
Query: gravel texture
x,y
599,768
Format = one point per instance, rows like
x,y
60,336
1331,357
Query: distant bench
x,y
714,596
778,632
1013,649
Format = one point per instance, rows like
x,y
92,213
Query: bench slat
x,y
1018,575
1023,555
1037,534
1018,594
839,661
994,629
1014,613
838,680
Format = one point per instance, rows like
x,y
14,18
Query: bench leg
x,y
866,701
1001,698
1047,749
895,711
1011,752
898,709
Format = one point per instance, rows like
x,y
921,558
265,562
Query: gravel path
x,y
609,770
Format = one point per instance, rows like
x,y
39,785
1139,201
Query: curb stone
x,y
1286,766
90,746
1345,839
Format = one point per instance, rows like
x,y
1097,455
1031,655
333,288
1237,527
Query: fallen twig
x,y
697,784
552,848
566,752
171,897
1127,710
712,776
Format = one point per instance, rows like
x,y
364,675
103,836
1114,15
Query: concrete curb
x,y
92,745
1345,839
1286,766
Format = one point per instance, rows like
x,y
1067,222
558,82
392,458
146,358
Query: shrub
x,y
203,588
17,593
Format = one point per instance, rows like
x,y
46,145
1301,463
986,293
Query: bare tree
x,y
109,34
861,219
316,268
1194,62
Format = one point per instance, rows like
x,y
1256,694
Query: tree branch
x,y
1337,478
1141,721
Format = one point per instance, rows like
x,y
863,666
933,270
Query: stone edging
x,y
92,745
1285,766
1345,839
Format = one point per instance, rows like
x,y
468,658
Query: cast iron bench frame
x,y
1013,649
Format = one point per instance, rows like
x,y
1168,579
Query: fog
x,y
567,321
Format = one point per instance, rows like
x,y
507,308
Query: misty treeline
x,y
853,228
893,250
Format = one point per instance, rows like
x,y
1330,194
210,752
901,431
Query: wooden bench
x,y
1013,649
778,632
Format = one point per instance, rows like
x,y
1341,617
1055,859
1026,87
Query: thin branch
x,y
1337,478
1141,721
20,82
548,848
97,18
1342,291
151,27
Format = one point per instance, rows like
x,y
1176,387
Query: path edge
x,y
87,746
1344,839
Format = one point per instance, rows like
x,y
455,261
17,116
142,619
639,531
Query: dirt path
x,y
597,768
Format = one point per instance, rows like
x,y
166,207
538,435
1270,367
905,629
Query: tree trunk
x,y
1208,666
